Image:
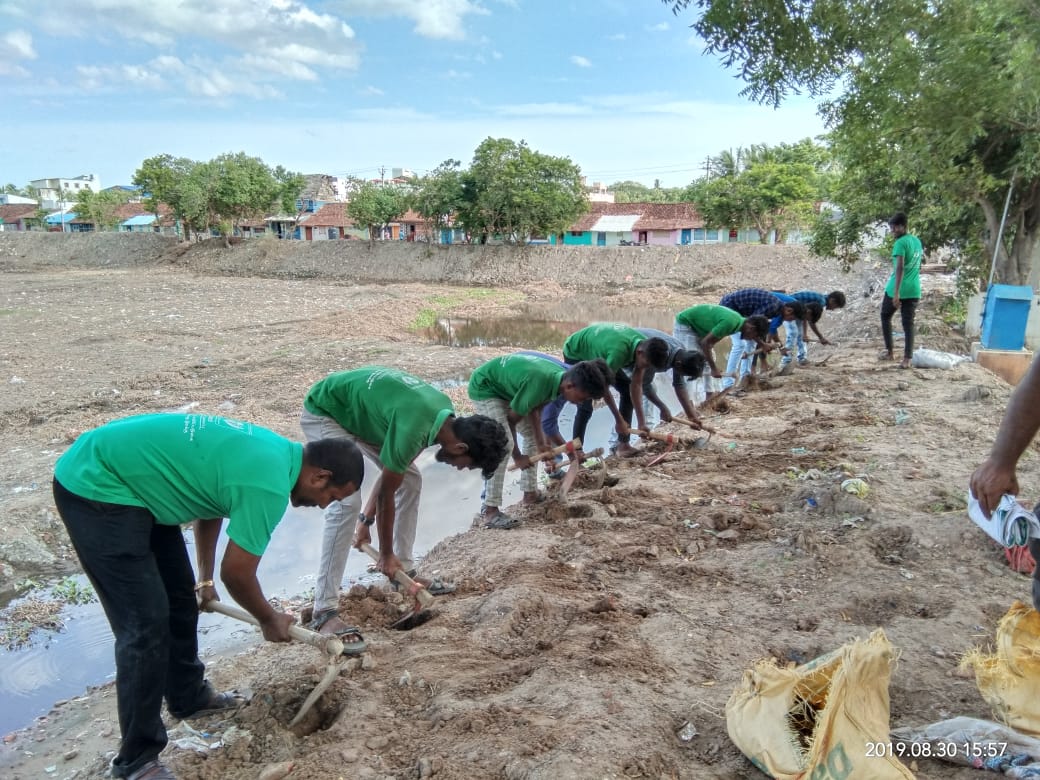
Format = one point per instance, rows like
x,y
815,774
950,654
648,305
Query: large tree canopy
x,y
514,192
935,113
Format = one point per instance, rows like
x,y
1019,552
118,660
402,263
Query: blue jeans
x,y
739,364
794,343
144,580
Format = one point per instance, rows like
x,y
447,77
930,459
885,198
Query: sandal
x,y
217,703
502,522
357,647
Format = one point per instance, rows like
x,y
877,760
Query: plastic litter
x,y
856,487
931,358
976,743
902,416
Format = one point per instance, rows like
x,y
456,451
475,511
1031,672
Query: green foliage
x,y
515,192
375,205
935,111
438,195
99,207
635,192
69,591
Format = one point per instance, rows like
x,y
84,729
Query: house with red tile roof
x,y
329,223
18,216
660,224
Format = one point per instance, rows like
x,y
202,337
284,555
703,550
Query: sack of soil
x,y
1009,678
827,718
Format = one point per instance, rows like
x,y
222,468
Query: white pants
x,y
341,516
688,337
497,409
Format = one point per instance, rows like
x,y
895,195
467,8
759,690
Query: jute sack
x,y
824,720
1009,679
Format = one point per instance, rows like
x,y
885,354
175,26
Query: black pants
x,y
144,580
907,308
584,413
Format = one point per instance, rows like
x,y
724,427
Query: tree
x,y
242,187
935,113
99,207
376,205
636,192
514,192
438,195
164,179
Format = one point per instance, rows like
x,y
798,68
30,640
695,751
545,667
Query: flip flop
x,y
223,702
357,647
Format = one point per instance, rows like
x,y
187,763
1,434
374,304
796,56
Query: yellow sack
x,y
824,720
1009,680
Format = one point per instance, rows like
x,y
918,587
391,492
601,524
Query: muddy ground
x,y
580,644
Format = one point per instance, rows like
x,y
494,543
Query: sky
x,y
350,87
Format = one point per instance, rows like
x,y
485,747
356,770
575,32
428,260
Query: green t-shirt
x,y
706,318
614,342
525,381
185,467
909,248
389,409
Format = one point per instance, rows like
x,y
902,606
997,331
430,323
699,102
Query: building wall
x,y
585,239
662,237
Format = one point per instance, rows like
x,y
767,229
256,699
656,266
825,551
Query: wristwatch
x,y
364,519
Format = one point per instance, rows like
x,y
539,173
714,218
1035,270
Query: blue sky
x,y
347,86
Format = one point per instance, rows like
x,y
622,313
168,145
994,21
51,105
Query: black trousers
x,y
144,580
907,309
584,413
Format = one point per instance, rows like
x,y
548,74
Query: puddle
x,y
545,326
63,665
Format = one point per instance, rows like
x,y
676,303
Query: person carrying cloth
x,y
513,390
392,416
123,492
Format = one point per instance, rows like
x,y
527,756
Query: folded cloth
x,y
1011,524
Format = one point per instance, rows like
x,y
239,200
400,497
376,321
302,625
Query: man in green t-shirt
x,y
622,347
124,490
513,389
392,416
903,290
701,327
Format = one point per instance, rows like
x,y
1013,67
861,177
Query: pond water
x,y
63,665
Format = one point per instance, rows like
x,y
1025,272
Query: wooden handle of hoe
x,y
423,596
692,424
570,447
330,644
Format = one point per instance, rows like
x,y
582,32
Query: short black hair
x,y
760,325
813,311
837,297
898,219
797,308
690,362
656,352
590,376
341,457
486,440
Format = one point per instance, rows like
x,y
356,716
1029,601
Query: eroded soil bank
x,y
580,644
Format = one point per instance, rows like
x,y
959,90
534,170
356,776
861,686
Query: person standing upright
x,y
903,290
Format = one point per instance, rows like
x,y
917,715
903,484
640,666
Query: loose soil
x,y
580,644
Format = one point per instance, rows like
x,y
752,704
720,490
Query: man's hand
x,y
895,302
623,429
824,341
204,595
716,374
666,416
522,462
361,535
991,481
388,564
276,627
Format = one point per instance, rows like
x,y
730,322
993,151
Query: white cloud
x,y
581,62
95,78
457,74
433,18
272,39
617,37
17,45
15,71
659,27
496,55
370,90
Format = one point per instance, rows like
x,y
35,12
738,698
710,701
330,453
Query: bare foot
x,y
533,497
627,451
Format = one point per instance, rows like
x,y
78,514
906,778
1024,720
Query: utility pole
x,y
707,167
382,174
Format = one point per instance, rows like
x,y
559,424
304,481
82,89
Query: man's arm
x,y
996,476
651,395
816,331
635,388
238,573
206,534
899,281
687,405
381,502
708,345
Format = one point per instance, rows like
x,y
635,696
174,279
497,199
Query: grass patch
x,y
424,319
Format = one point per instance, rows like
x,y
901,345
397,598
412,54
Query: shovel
x,y
420,612
332,646
572,472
